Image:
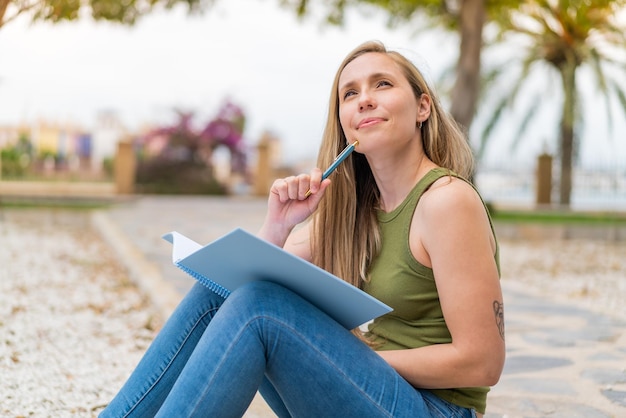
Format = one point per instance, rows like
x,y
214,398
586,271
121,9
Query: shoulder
x,y
450,207
449,194
450,218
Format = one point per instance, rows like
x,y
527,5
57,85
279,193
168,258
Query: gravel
x,y
588,273
72,325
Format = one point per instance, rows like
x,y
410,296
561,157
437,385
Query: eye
x,y
348,93
383,83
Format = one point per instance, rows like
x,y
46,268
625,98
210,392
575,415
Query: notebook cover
x,y
239,257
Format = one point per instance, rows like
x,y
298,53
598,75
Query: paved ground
x,y
565,358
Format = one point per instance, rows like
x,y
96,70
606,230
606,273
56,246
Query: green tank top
x,y
400,281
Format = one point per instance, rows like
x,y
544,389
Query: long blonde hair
x,y
346,236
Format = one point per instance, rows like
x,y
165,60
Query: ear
x,y
423,108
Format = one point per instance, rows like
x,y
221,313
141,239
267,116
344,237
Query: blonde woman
x,y
397,219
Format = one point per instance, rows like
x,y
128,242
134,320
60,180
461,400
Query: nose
x,y
366,100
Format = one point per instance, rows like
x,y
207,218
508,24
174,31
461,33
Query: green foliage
x,y
46,154
177,159
16,159
559,217
108,165
122,11
11,165
166,176
444,13
561,37
565,35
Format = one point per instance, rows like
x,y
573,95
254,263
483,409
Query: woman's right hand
x,y
289,205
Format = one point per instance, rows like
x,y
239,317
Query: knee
x,y
262,298
259,291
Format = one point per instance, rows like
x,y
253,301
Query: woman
x,y
399,221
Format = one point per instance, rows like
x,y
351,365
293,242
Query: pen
x,y
342,156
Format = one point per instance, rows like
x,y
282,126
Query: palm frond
x,y
489,78
621,95
528,117
501,106
614,34
620,92
509,95
595,63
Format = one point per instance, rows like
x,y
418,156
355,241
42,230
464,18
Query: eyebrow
x,y
373,76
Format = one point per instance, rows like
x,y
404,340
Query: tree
x,y
465,17
567,36
126,12
179,158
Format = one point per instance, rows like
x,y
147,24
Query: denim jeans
x,y
213,355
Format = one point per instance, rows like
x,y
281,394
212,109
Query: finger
x,y
292,187
280,187
304,184
316,179
315,198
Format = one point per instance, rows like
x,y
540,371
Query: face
x,y
376,103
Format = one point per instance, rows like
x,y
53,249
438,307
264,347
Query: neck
x,y
397,178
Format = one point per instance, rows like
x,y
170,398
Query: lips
x,y
369,122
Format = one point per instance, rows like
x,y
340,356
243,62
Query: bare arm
x,y
450,233
299,242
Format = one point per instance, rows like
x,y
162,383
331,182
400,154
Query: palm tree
x,y
564,36
466,18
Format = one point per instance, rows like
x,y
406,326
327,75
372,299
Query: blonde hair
x,y
346,236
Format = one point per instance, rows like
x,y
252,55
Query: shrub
x,y
163,176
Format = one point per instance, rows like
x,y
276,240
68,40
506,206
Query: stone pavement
x,y
562,360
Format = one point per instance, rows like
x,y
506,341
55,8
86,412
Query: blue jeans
x,y
213,355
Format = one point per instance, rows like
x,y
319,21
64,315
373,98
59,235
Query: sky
x,y
260,56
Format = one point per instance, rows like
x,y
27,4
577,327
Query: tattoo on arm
x,y
498,310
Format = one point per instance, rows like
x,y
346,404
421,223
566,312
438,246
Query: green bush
x,y
14,163
164,176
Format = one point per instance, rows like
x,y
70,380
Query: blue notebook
x,y
239,257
